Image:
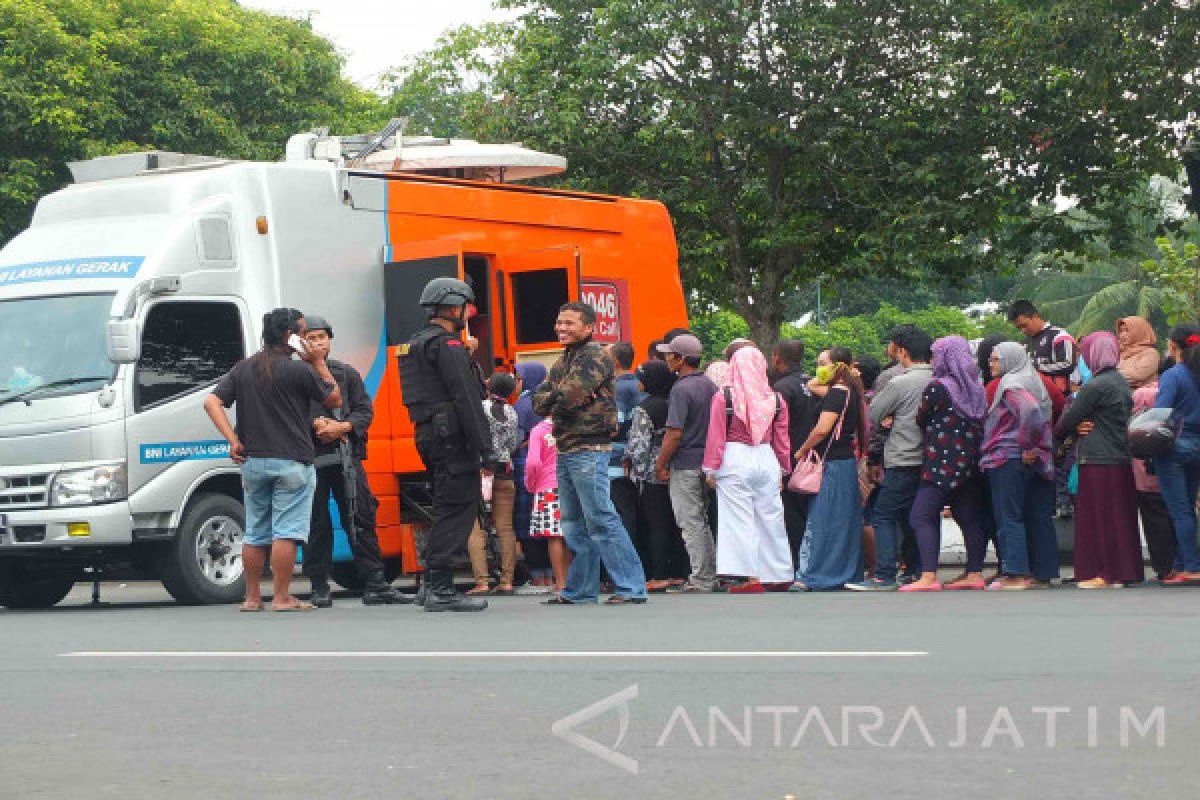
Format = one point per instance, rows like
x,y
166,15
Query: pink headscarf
x,y
1101,351
754,400
718,372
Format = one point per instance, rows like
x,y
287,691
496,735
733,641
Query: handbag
x,y
806,477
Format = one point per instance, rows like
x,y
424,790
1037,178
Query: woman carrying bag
x,y
831,555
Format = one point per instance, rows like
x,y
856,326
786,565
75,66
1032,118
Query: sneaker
x,y
873,585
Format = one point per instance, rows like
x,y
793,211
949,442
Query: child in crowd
x,y
541,465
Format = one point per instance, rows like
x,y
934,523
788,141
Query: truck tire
x,y
24,588
203,565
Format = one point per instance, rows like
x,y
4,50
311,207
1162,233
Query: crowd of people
x,y
744,474
748,475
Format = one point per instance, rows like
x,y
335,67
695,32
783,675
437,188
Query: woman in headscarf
x,y
720,373
1017,456
1139,358
951,421
1108,551
667,563
530,376
748,452
831,553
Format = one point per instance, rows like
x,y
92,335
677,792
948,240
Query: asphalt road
x,y
363,702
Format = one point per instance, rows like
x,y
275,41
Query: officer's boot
x,y
378,592
322,596
444,597
423,589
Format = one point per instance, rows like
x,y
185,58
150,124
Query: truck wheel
x,y
22,588
203,565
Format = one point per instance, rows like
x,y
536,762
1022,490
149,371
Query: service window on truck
x,y
186,346
537,296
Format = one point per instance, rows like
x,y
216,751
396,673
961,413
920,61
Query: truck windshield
x,y
54,340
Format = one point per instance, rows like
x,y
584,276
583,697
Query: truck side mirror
x,y
123,341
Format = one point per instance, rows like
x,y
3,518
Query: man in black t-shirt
x,y
273,443
803,408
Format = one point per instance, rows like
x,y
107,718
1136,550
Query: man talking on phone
x,y
273,443
341,443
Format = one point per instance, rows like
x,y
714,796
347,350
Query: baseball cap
x,y
684,345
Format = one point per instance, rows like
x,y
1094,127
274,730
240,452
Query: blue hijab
x,y
532,375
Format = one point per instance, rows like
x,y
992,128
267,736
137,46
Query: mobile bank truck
x,y
138,286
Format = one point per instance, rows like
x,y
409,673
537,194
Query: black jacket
x,y
803,406
356,408
1107,401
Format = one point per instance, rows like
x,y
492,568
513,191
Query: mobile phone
x,y
297,344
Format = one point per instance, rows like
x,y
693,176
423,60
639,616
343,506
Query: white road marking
x,y
415,654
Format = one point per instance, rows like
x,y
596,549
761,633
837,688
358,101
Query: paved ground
x,y
429,725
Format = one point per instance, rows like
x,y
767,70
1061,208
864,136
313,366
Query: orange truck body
x,y
518,246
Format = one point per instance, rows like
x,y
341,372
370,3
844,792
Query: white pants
x,y
751,536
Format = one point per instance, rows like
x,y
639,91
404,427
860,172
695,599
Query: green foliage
x,y
716,330
1177,274
864,334
871,140
80,78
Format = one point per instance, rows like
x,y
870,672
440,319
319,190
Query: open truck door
x,y
532,285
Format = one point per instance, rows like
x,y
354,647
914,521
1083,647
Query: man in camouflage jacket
x,y
579,397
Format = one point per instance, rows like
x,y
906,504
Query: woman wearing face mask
x,y
1107,549
831,554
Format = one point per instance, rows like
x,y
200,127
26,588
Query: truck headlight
x,y
81,487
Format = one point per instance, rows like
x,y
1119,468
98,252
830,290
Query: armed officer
x,y
341,444
442,392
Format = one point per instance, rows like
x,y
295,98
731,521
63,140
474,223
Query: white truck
x,y
135,288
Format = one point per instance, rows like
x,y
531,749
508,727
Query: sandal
x,y
620,600
301,605
503,592
558,600
251,607
479,589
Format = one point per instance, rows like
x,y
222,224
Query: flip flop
x,y
301,605
250,609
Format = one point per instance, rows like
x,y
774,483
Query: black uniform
x,y
453,437
318,552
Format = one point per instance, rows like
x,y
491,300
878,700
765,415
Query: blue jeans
x,y
1023,505
893,506
592,529
1179,477
278,497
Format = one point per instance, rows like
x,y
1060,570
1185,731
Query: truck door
x,y
531,286
407,268
187,345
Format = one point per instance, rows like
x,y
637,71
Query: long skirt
x,y
752,537
1106,525
831,555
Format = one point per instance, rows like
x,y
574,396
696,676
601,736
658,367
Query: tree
x,y
80,79
804,138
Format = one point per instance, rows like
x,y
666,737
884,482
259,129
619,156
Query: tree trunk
x,y
765,318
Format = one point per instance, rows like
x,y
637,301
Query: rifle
x,y
349,482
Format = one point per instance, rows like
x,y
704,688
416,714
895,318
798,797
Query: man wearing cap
x,y
344,426
682,454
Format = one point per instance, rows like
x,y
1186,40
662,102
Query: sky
x,y
376,35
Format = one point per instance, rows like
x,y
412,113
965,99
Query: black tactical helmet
x,y
446,292
316,323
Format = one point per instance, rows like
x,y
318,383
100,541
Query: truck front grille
x,y
23,491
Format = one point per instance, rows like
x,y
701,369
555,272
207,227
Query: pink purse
x,y
806,477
